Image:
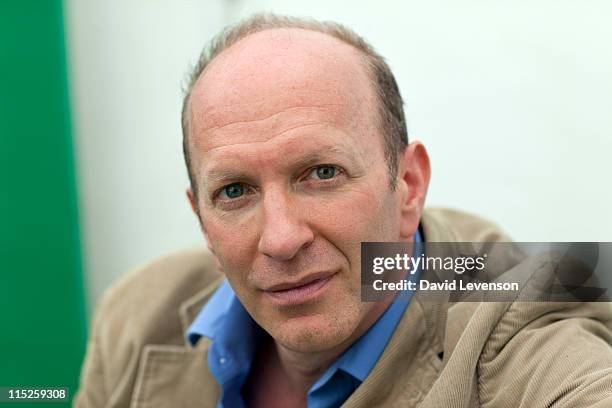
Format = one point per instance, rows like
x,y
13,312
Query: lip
x,y
300,291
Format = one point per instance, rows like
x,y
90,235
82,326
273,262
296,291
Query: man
x,y
296,147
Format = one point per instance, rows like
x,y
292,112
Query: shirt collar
x,y
225,320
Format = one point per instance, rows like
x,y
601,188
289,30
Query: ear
x,y
413,176
196,210
194,203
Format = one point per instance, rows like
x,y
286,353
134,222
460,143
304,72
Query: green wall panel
x,y
42,320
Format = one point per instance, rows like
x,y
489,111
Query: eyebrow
x,y
319,156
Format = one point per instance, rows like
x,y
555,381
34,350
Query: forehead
x,y
273,80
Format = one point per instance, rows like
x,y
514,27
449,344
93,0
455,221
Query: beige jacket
x,y
441,355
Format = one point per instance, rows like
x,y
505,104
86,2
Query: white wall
x,y
128,60
512,99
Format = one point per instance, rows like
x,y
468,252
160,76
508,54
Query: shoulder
x,y
551,352
152,304
177,271
445,224
147,300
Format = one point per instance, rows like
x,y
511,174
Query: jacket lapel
x,y
409,365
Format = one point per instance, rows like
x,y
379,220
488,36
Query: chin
x,y
316,333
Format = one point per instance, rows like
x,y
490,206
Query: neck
x,y
303,369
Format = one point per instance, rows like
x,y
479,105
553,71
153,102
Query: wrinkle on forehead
x,y
274,125
215,114
271,103
253,141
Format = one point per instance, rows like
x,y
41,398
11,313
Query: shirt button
x,y
222,360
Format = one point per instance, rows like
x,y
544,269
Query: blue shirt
x,y
235,336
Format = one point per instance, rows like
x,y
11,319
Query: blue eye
x,y
325,172
233,190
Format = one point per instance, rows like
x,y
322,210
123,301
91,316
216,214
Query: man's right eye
x,y
232,191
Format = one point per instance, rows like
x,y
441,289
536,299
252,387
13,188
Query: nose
x,y
284,231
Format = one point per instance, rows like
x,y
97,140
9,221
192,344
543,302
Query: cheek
x,y
234,242
358,217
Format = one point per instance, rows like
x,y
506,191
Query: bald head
x,y
272,72
268,65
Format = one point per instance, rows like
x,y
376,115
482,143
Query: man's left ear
x,y
413,176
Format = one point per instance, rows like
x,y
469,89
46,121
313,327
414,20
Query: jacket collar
x,y
189,310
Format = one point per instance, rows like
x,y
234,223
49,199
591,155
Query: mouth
x,y
291,293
